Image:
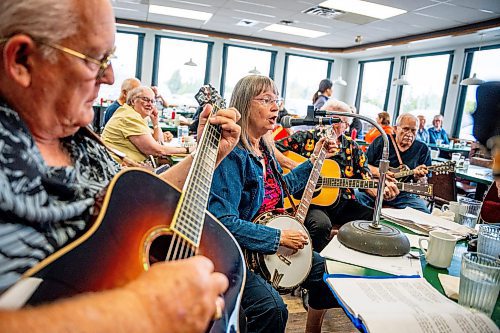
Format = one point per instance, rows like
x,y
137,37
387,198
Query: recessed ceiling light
x,y
286,29
178,12
363,8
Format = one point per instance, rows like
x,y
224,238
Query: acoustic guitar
x,y
330,183
143,219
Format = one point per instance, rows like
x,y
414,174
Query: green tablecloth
x,y
430,272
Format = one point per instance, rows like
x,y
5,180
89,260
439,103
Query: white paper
x,y
404,265
409,305
16,296
426,220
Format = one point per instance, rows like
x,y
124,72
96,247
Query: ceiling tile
x,y
456,13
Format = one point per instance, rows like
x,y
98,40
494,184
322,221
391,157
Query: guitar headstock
x,y
444,168
209,95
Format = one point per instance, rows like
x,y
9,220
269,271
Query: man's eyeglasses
x,y
409,129
146,100
268,101
103,64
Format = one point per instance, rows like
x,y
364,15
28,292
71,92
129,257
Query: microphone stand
x,y
371,236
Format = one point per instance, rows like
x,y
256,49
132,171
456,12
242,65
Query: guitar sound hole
x,y
159,248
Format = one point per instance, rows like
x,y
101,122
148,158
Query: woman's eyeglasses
x,y
146,100
267,101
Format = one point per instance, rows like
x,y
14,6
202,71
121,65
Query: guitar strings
x,y
179,249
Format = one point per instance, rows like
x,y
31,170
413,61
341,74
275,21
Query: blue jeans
x,y
403,200
264,307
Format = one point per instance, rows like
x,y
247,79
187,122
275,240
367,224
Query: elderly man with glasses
x,y
128,131
54,55
405,150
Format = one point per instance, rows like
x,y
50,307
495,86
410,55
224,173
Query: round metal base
x,y
383,241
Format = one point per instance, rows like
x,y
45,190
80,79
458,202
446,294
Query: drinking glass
x,y
479,282
468,212
488,241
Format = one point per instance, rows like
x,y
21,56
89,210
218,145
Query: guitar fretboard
x,y
366,184
190,213
310,187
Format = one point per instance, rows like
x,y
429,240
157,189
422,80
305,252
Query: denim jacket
x,y
237,193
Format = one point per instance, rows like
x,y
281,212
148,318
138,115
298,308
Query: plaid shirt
x,y
350,158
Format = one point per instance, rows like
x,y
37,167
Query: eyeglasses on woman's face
x,y
146,99
268,101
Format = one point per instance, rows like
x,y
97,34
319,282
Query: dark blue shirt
x,y
110,110
414,156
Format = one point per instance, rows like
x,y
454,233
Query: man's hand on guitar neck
x,y
227,119
420,171
391,191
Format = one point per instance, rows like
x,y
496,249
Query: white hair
x,y
48,21
339,106
405,116
132,94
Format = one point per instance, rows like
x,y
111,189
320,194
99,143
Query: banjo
x,y
288,268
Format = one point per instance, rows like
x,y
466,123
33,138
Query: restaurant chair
x,y
444,189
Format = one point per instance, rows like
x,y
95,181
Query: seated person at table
x,y
248,183
414,154
127,85
352,163
437,132
128,130
422,133
51,168
384,120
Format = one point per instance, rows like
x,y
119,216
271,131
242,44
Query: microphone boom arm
x,y
383,165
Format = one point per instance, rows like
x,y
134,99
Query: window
x,y
428,76
485,64
302,77
238,61
178,82
374,86
127,64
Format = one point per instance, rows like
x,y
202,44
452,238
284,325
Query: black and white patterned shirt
x,y
42,208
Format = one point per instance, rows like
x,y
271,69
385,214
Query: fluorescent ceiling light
x,y
428,39
178,12
378,47
249,42
363,8
254,13
184,33
126,9
285,29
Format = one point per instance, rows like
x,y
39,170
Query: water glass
x,y
479,282
469,212
488,241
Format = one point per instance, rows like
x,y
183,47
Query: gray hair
x,y
438,116
134,93
339,106
128,85
48,21
404,116
244,92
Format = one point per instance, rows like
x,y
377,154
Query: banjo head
x,y
286,269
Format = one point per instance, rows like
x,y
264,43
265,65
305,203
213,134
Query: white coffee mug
x,y
440,248
453,206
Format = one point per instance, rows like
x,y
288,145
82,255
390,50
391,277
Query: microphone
x,y
288,121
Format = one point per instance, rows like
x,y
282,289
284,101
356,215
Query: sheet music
x,y
409,305
404,265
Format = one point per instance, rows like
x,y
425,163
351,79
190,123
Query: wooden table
x,y
430,272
